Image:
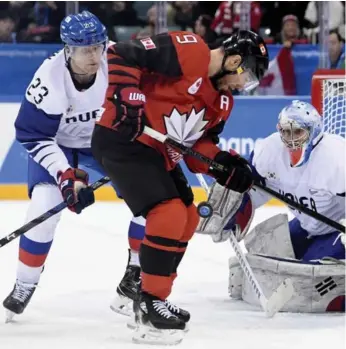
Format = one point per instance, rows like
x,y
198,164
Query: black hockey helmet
x,y
253,52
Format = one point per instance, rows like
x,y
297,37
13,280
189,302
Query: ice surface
x,y
70,309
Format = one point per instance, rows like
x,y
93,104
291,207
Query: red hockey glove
x,y
73,184
239,177
130,117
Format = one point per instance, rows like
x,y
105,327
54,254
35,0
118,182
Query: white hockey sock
x,y
29,275
134,258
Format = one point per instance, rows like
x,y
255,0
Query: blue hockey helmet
x,y
300,127
82,29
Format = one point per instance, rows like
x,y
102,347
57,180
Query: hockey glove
x,y
73,184
239,177
130,117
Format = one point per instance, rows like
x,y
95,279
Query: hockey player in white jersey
x,y
307,166
54,124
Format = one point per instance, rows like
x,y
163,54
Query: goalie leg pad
x,y
318,288
235,281
225,204
271,237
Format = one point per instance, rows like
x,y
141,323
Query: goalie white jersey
x,y
319,184
54,112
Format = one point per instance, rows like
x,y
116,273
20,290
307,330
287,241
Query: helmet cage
x,y
293,135
300,129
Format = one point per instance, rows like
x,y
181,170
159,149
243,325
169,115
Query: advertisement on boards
x,y
20,61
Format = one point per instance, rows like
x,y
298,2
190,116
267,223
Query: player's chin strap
x,y
189,151
53,211
280,296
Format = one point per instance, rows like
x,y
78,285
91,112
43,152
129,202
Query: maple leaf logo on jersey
x,y
185,128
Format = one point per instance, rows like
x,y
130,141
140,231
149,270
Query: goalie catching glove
x,y
73,184
129,111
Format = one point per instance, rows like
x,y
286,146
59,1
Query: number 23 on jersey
x,y
36,91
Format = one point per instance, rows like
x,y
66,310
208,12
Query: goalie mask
x,y
300,127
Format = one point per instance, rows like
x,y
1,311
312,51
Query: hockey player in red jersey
x,y
175,84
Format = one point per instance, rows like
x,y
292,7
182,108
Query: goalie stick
x,y
53,211
280,296
188,151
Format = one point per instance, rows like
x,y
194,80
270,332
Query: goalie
x,y
307,166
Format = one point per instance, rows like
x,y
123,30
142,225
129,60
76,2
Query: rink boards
x,y
252,118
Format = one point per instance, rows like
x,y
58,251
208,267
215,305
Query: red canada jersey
x,y
171,70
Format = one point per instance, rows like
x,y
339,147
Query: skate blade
x,y
280,297
132,324
145,334
9,315
122,305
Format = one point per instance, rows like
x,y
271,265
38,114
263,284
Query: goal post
x,y
328,96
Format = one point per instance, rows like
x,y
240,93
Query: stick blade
x,y
280,297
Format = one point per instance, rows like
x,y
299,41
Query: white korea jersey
x,y
319,184
54,113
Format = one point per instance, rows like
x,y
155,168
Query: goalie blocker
x,y
227,209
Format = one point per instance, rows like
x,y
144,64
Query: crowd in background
x,y
277,21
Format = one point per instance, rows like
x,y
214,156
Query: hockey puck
x,y
204,209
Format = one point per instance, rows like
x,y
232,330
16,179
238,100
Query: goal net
x,y
328,96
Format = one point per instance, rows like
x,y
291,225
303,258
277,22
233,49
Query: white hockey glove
x,y
231,214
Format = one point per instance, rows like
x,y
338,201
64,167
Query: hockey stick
x,y
280,296
188,151
53,211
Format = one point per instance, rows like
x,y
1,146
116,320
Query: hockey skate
x,y
182,314
127,291
156,324
18,299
